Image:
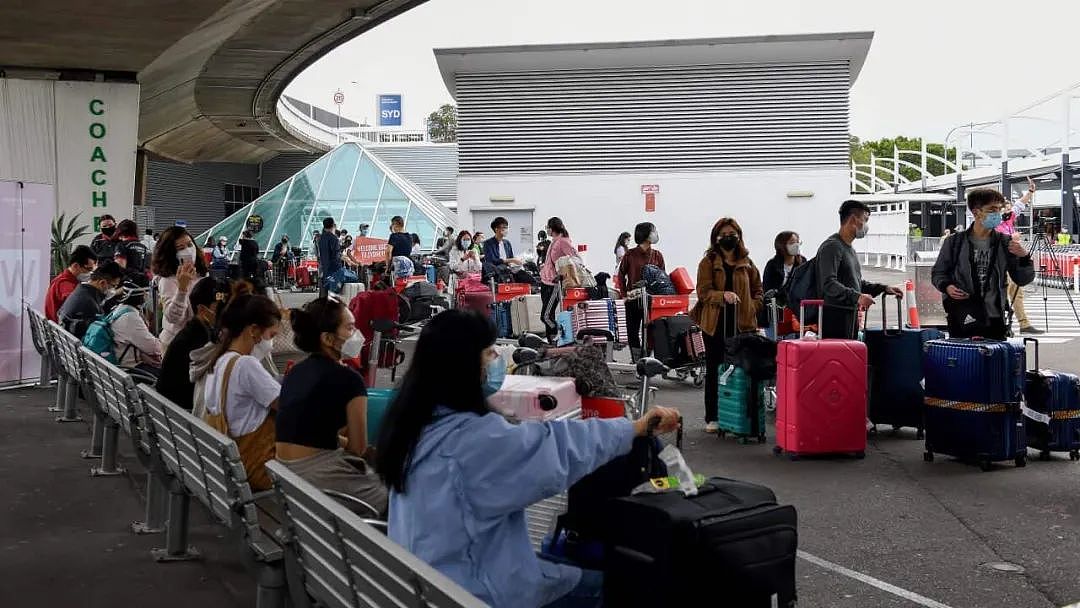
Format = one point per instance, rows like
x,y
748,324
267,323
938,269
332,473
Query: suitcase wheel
x,y
1074,455
1044,455
928,456
761,438
777,450
860,455
1021,461
742,440
872,431
985,464
793,457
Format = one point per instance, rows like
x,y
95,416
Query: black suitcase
x,y
667,335
660,549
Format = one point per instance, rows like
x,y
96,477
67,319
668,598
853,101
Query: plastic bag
x,y
680,477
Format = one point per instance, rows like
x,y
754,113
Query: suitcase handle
x,y
820,304
1036,343
899,313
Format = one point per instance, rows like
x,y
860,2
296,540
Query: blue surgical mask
x,y
466,243
496,374
992,220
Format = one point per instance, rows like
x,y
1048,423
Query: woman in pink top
x,y
561,246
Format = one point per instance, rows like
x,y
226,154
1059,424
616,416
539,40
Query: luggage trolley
x,y
656,307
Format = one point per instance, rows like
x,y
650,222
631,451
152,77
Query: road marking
x,y
910,596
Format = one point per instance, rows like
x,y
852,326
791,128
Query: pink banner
x,y
26,211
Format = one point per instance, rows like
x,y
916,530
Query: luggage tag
x,y
727,374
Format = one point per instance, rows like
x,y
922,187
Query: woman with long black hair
x,y
461,476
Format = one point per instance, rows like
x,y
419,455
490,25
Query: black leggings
x,y
635,317
548,300
715,349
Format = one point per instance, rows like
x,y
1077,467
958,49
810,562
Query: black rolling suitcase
x,y
732,542
668,336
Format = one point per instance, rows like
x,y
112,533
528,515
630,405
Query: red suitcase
x,y
479,301
821,396
680,278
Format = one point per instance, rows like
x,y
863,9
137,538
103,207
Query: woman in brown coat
x,y
729,298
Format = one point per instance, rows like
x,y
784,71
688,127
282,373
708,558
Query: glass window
x,y
393,202
422,226
297,209
330,199
363,196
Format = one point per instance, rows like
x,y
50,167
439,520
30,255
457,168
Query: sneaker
x,y
1032,330
712,428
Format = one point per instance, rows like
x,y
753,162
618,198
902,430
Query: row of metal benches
x,y
305,547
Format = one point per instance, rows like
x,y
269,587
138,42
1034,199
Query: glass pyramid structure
x,y
348,184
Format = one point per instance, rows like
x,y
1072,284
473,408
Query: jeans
x,y
589,592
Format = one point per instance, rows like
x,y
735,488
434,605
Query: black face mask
x,y
729,243
108,230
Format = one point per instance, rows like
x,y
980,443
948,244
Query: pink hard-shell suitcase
x,y
535,397
821,396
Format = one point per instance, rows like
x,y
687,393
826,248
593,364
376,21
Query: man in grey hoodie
x,y
840,279
971,268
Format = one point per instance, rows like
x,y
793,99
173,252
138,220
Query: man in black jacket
x,y
86,303
840,279
971,268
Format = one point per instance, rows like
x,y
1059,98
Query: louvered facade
x,y
670,118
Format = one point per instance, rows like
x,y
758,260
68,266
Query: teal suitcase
x,y
736,410
378,401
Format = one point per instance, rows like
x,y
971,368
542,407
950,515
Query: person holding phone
x,y
972,267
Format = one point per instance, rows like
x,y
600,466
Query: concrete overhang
x,y
211,71
801,48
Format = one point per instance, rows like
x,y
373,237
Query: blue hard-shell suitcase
x,y
896,374
500,315
974,393
1053,417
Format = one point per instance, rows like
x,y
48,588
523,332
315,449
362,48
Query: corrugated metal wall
x,y
193,193
434,168
27,131
669,118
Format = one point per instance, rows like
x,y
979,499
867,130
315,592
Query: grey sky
x,y
932,65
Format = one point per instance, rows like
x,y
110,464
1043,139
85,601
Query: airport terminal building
x,y
678,133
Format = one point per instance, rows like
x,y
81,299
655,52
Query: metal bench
x,y
41,345
66,352
117,399
205,464
336,560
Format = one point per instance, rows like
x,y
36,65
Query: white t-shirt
x,y
502,250
251,391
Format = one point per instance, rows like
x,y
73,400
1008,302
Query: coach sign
x,y
96,133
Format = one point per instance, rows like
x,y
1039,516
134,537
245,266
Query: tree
x,y
442,124
883,148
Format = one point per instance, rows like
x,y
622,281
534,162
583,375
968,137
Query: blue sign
x,y
389,110
180,224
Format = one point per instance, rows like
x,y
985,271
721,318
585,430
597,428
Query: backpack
x,y
802,284
99,337
600,291
138,256
419,298
657,282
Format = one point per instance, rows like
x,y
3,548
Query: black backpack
x,y
420,297
137,255
802,284
601,291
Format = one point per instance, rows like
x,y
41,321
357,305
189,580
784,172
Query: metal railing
x,y
326,137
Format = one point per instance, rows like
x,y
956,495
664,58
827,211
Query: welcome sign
x,y
97,132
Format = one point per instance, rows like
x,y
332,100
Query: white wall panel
x,y
27,131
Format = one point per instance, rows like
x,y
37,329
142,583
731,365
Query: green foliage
x,y
883,148
442,124
64,236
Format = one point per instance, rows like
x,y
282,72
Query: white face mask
x,y
654,237
353,346
186,255
863,230
793,249
263,349
83,277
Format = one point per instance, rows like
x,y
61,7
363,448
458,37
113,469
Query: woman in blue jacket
x,y
461,476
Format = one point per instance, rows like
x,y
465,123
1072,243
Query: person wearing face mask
x,y
237,396
321,399
81,263
220,257
461,476
86,303
176,265
133,344
104,243
206,296
788,248
629,273
840,275
560,247
729,298
972,267
463,258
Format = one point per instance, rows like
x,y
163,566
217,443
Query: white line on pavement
x,y
911,596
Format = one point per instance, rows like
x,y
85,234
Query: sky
x,y
933,65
